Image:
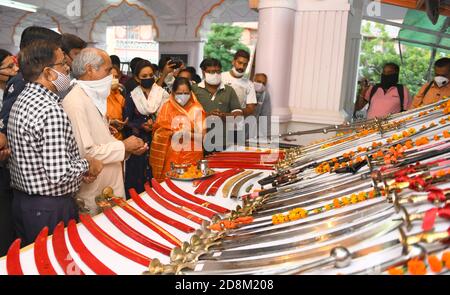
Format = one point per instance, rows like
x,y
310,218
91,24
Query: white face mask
x,y
236,73
98,91
182,99
213,79
62,83
441,81
259,87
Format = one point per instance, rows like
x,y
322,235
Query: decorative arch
x,y
116,5
204,15
27,14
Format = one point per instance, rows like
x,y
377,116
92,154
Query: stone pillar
x,y
274,52
325,60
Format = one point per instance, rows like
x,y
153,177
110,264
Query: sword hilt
x,y
424,237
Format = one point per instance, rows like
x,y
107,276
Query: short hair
x,y
443,62
261,74
87,56
35,57
393,65
34,33
141,65
186,71
4,54
210,62
241,53
115,60
134,62
181,81
192,70
69,42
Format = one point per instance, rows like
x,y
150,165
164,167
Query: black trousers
x,y
32,213
7,232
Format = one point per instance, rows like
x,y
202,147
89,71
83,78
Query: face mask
x,y
388,81
115,84
182,99
259,87
441,81
98,91
147,83
236,73
213,79
62,83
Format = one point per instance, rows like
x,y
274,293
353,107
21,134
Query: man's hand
x,y
133,144
148,126
117,124
168,68
141,151
95,167
88,179
5,154
217,113
3,141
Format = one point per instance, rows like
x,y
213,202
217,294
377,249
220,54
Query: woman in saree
x,y
178,131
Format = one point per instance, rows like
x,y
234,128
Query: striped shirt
x,y
45,159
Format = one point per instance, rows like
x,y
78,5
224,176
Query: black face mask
x,y
147,83
388,81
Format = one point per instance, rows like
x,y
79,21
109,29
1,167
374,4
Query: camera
x,y
177,63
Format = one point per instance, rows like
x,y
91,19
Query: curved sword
x,y
195,199
61,251
112,243
88,258
158,215
13,265
115,219
43,264
168,196
152,194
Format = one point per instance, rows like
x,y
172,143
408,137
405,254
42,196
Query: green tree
x,y
223,42
376,51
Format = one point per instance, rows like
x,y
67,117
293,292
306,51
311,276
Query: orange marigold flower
x,y
396,271
345,200
436,137
336,203
435,263
371,194
446,134
446,259
327,207
416,267
379,154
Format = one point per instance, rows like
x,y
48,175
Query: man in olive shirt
x,y
218,101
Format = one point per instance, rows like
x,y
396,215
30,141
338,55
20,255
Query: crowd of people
x,y
390,97
71,124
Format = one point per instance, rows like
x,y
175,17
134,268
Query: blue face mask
x,y
182,99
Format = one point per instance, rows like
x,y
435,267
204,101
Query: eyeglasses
x,y
63,63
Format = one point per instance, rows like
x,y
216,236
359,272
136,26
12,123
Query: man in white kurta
x,y
86,107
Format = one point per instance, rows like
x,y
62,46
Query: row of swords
x,y
375,234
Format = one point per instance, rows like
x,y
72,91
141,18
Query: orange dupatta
x,y
161,152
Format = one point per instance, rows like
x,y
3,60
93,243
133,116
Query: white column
x,y
325,59
274,51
